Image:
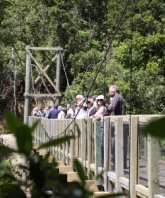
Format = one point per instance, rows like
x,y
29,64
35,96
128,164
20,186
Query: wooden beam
x,y
41,95
134,156
46,48
89,144
98,154
39,66
107,153
72,177
142,190
46,68
65,169
91,186
119,162
153,165
101,194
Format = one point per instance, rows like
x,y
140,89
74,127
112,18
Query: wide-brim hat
x,y
100,97
90,100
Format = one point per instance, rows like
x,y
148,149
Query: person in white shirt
x,y
70,111
80,110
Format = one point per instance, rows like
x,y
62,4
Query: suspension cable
x,y
15,75
109,46
66,76
101,63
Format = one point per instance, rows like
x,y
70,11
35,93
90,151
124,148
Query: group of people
x,y
92,107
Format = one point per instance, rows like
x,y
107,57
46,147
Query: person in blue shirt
x,y
53,114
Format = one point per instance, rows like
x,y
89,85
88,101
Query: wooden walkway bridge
x,y
130,162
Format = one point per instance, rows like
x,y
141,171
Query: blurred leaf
x,y
80,170
7,176
24,139
12,121
12,190
156,128
5,151
56,142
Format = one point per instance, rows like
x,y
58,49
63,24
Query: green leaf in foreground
x,y
24,139
12,190
80,170
56,142
156,128
12,121
5,151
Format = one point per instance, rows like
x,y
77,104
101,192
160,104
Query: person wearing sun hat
x,y
100,109
91,110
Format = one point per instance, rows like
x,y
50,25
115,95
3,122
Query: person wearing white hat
x,y
100,107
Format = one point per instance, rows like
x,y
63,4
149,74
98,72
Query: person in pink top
x,y
100,109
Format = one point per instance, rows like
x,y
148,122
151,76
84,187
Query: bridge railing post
x,y
64,125
153,165
68,144
73,126
89,144
119,152
107,153
98,146
83,142
77,137
134,155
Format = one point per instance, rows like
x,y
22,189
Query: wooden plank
x,y
89,144
68,149
41,95
119,163
45,48
142,190
92,167
83,140
72,142
158,196
72,177
153,165
46,68
124,182
142,118
65,169
112,177
134,155
64,125
43,72
77,133
91,186
107,153
98,155
101,194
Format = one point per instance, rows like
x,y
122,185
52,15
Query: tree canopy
x,y
135,61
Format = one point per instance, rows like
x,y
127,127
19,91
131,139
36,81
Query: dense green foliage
x,y
84,29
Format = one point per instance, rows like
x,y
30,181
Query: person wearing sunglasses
x,y
100,109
